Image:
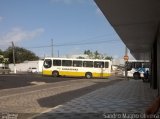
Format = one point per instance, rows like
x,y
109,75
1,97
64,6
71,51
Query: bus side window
x,y
47,63
138,65
98,64
56,62
87,63
77,63
106,64
66,62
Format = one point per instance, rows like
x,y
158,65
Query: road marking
x,y
46,111
37,83
56,107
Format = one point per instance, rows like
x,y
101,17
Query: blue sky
x,y
74,26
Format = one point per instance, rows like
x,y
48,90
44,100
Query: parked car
x,y
32,70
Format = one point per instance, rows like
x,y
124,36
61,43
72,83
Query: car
x,y
32,70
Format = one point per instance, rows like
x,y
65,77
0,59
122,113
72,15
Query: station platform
x,y
127,96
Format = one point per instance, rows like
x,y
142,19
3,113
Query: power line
x,y
74,44
88,41
52,47
85,43
45,46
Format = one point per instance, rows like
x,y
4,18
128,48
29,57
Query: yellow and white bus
x,y
76,67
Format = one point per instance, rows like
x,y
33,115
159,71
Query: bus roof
x,y
78,59
138,61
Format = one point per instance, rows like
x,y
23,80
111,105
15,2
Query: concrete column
x,y
158,61
151,68
154,66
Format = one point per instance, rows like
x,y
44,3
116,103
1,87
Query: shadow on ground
x,y
22,80
58,99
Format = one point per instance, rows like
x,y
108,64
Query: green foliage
x,y
3,60
21,55
1,52
96,55
108,57
89,53
80,57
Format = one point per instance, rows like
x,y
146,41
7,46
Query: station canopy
x,y
137,23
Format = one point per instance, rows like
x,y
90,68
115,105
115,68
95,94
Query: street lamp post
x,y
126,60
14,58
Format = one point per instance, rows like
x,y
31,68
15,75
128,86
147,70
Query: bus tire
x,y
136,75
55,73
88,75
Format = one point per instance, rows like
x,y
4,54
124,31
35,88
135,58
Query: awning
x,y
135,21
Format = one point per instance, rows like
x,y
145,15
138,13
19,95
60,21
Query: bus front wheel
x,y
136,75
88,75
55,73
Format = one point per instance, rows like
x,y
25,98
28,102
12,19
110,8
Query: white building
x,y
23,67
83,56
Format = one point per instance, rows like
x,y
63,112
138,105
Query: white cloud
x,y
17,35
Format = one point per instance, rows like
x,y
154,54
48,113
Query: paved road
x,y
30,100
21,80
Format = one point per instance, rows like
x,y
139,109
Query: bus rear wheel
x,y
88,75
136,75
55,73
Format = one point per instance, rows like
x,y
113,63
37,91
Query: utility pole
x,y
126,60
58,53
52,47
13,50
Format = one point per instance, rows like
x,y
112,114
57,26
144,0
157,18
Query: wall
x,y
23,67
158,62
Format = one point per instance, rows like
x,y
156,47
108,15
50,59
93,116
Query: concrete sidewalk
x,y
131,96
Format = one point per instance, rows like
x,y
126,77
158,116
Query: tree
x,y
89,53
97,55
1,52
3,60
21,55
108,57
80,57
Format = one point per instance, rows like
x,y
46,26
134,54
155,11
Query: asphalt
x,y
37,97
22,80
33,99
